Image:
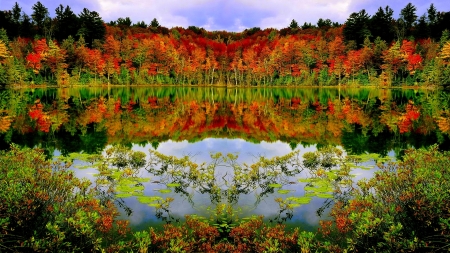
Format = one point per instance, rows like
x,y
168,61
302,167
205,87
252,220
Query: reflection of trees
x,y
356,119
326,174
261,177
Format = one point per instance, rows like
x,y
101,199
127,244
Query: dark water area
x,y
248,123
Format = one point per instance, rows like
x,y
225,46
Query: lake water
x,y
198,122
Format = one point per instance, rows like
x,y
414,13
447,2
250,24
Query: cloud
x,y
230,15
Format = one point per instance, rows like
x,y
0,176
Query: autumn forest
x,y
368,49
123,136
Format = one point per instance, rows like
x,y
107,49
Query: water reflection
x,y
360,120
199,184
252,123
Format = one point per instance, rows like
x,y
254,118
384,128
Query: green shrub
x,y
44,207
405,207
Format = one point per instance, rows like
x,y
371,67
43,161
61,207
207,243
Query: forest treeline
x,y
376,49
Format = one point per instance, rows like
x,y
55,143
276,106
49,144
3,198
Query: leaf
x,y
148,199
165,190
324,195
284,191
275,185
173,185
300,200
123,195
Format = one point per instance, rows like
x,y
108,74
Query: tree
x,y
26,28
141,24
92,26
40,14
16,13
154,23
3,52
432,14
357,27
294,24
409,17
307,26
15,18
5,20
125,22
381,24
324,23
67,23
422,29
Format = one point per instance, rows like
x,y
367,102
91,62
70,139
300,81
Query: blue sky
x,y
230,15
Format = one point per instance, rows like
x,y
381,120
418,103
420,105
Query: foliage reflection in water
x,y
226,189
83,120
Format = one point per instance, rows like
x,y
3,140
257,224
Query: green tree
x,y
324,23
422,28
294,24
409,17
141,24
125,22
357,27
307,26
40,14
15,18
154,23
67,23
432,14
92,26
26,27
381,24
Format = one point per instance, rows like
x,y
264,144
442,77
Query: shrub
x,y
44,207
405,207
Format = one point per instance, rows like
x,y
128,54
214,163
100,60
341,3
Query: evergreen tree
x,y
154,23
26,27
67,23
15,20
321,23
141,24
381,24
294,24
409,17
40,14
357,27
92,26
124,22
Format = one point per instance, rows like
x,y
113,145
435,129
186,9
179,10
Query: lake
x,y
187,133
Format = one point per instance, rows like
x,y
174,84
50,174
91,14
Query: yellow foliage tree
x,y
445,53
3,51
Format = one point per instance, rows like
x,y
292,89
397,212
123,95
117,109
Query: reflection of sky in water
x,y
304,216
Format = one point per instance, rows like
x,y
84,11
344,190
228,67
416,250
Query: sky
x,y
229,15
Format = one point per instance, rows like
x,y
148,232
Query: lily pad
x,y
275,185
300,200
281,191
148,199
164,190
83,167
173,185
324,195
294,205
123,195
